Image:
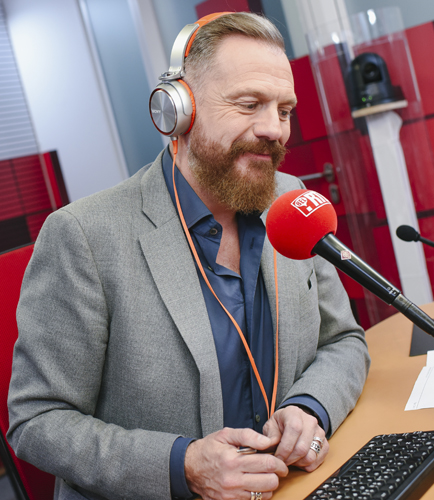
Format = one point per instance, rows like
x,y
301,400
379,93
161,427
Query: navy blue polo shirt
x,y
245,297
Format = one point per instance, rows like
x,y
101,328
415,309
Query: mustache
x,y
261,147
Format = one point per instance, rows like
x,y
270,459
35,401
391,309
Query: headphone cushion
x,y
193,104
172,108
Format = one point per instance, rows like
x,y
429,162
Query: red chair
x,y
29,483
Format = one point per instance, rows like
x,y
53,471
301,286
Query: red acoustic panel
x,y
421,43
334,89
32,185
308,107
11,203
299,160
355,172
420,164
426,227
295,137
429,123
211,6
383,243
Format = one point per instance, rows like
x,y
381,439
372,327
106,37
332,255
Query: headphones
x,y
171,104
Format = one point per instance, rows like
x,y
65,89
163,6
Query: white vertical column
x,y
398,201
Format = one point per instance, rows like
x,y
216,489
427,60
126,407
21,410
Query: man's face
x,y
242,124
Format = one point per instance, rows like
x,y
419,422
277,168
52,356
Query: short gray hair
x,y
204,47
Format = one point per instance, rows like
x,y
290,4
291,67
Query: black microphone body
x,y
408,233
335,252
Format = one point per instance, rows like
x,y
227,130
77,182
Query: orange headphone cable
x,y
246,346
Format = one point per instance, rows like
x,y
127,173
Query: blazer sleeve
x,y
337,374
58,364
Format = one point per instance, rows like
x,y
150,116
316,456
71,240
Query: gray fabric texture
x,y
115,356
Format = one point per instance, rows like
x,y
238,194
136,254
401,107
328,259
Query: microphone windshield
x,y
407,233
297,220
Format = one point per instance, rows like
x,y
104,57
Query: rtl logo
x,y
309,201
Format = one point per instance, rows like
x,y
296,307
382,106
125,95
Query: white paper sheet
x,y
422,395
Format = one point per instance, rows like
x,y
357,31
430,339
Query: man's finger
x,y
263,464
313,459
246,439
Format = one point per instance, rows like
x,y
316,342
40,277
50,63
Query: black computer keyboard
x,y
388,467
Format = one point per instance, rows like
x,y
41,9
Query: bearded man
x,y
130,379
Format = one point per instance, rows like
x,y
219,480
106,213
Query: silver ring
x,y
321,441
255,495
315,447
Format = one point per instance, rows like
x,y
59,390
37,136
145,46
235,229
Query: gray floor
x,y
6,492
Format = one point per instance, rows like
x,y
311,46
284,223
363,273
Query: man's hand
x,y
214,469
294,430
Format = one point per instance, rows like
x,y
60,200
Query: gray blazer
x,y
115,356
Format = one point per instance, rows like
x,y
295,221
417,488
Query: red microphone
x,y
299,219
302,223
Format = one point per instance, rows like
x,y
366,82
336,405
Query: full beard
x,y
249,191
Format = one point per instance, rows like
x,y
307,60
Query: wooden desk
x,y
380,409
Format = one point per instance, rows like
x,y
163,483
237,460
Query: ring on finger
x,y
320,441
255,495
315,447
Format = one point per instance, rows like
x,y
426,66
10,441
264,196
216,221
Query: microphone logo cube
x,y
345,255
308,202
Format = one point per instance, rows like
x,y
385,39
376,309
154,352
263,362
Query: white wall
x,y
64,94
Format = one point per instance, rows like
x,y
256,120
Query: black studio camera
x,y
368,82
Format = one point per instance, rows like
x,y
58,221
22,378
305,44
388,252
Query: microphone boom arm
x,y
335,252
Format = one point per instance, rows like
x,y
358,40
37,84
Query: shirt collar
x,y
193,208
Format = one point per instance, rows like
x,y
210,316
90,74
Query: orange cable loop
x,y
199,264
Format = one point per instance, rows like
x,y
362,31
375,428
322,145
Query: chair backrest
x,y
28,481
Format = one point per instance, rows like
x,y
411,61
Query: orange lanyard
x,y
246,346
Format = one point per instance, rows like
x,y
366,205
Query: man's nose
x,y
269,125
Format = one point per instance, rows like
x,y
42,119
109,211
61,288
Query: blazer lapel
x,y
169,258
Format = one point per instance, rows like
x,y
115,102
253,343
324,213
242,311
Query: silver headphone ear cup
x,y
171,108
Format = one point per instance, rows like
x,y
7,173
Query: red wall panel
x,y
11,203
24,199
426,227
420,165
334,89
299,160
421,43
31,184
308,107
296,136
383,244
211,6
